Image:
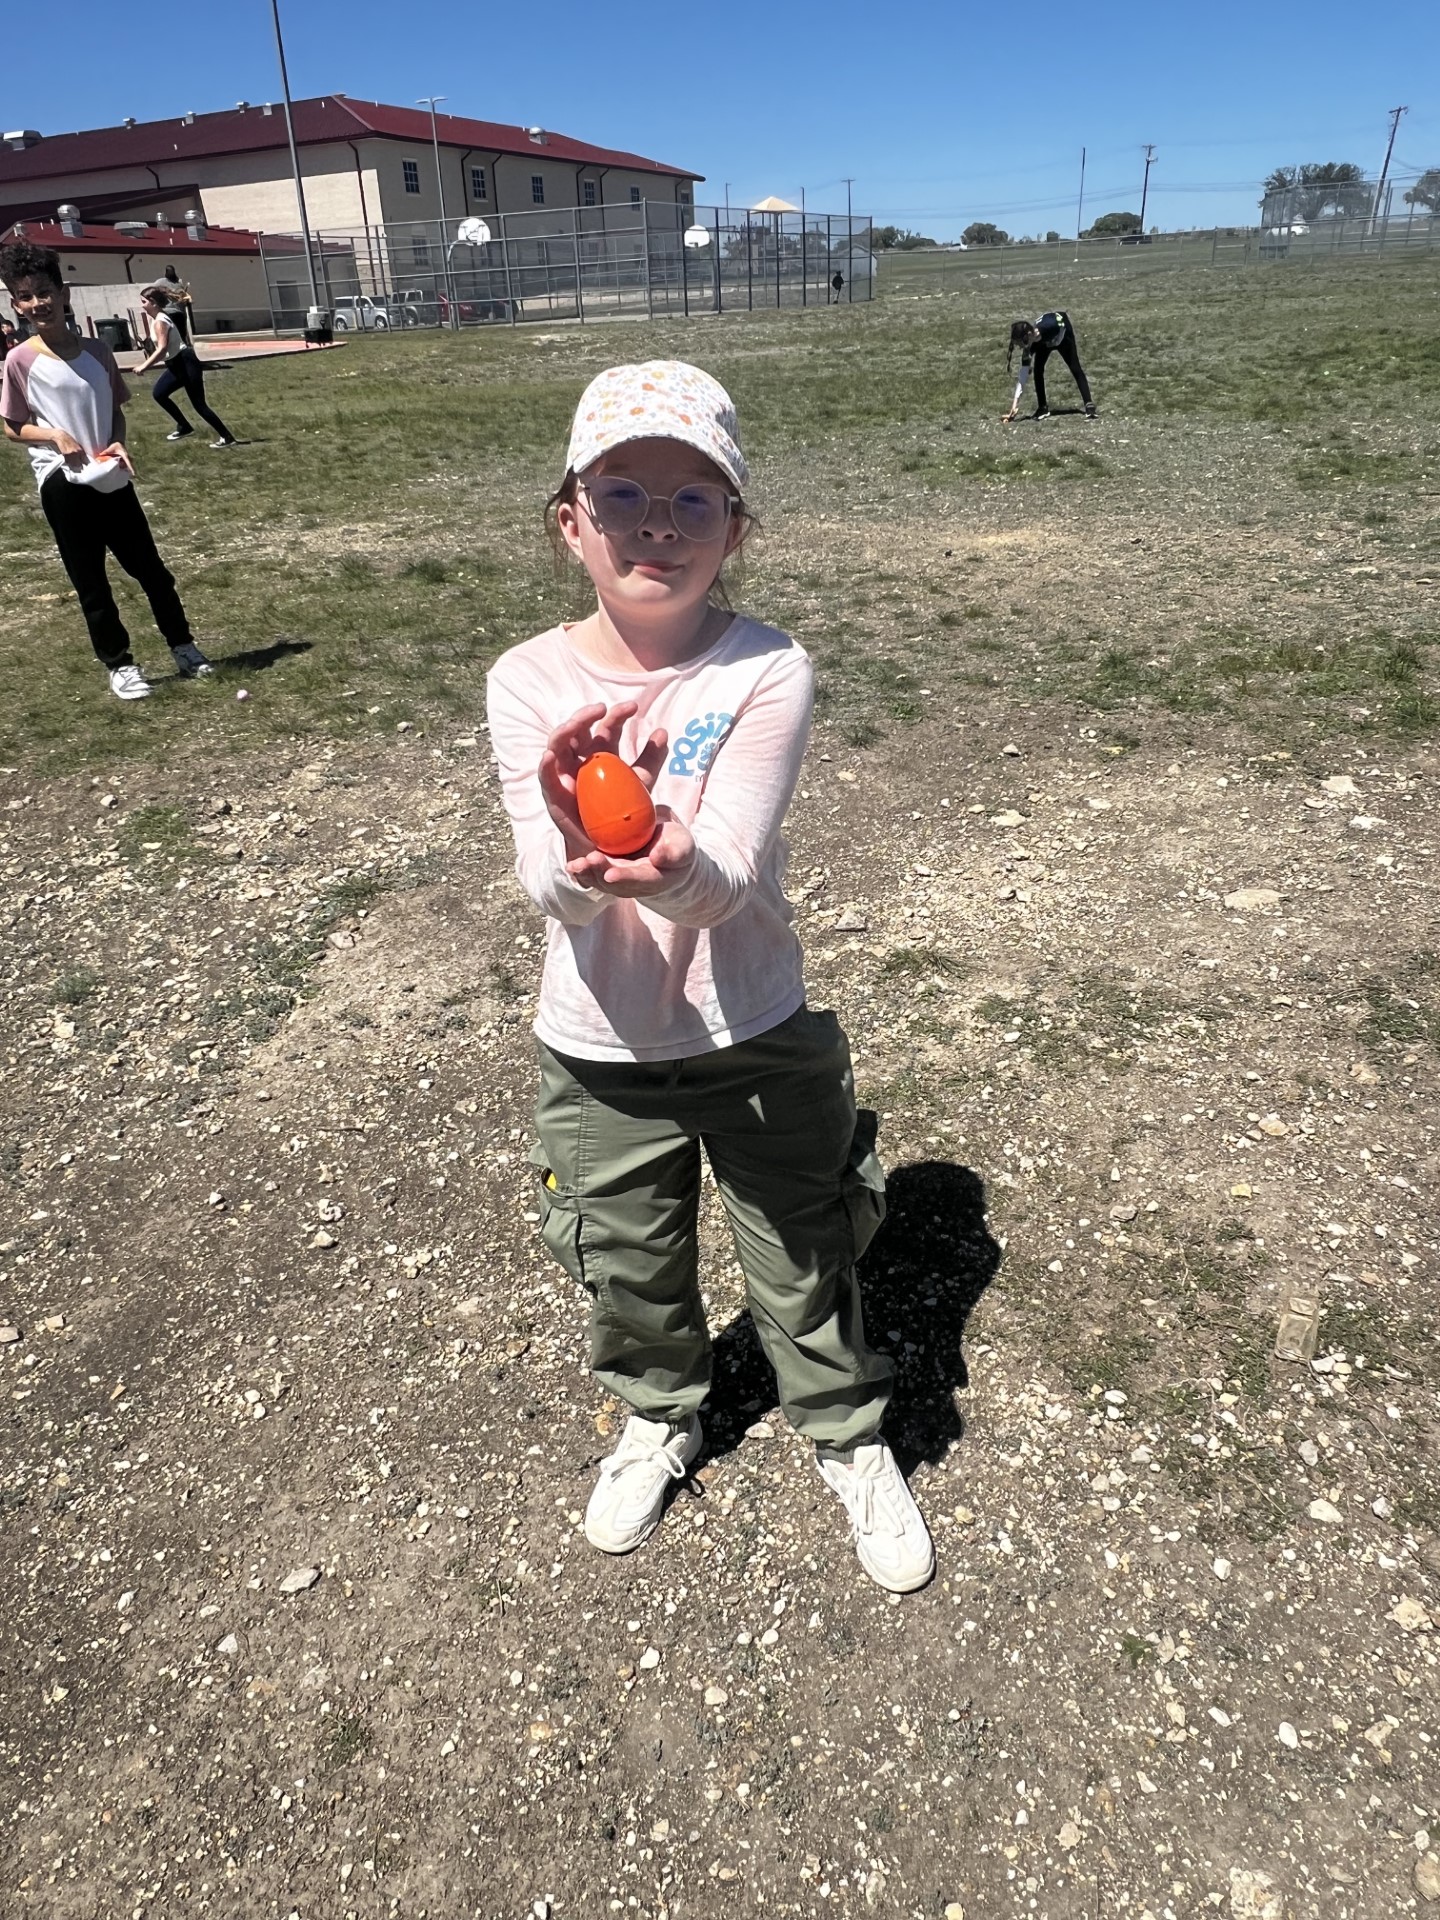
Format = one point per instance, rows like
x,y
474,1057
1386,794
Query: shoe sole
x,y
615,1548
144,693
891,1586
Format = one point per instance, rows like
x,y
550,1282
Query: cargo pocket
x,y
863,1182
559,1219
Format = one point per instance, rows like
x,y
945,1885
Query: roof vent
x,y
187,119
70,221
21,139
242,106
162,220
267,110
538,135
195,224
131,226
129,120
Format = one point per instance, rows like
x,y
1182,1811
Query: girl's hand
x,y
667,859
117,450
1006,418
594,729
69,448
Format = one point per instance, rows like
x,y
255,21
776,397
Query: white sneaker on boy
x,y
128,683
629,1496
891,1538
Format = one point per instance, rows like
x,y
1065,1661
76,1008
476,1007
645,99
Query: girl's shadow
x,y
921,1277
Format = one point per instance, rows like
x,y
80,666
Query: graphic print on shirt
x,y
694,749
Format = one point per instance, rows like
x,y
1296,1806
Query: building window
x,y
537,189
412,175
589,191
477,184
420,249
634,196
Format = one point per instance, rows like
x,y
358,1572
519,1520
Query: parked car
x,y
364,312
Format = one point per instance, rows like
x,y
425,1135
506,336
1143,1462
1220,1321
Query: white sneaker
x,y
216,445
128,683
891,1538
180,433
629,1496
190,662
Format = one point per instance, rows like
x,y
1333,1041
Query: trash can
x,y
116,334
317,327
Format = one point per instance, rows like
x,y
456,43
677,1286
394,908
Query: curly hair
x,y
23,260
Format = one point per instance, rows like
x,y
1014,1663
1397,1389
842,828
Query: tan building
x,y
363,164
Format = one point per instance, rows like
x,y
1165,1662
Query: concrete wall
x,y
228,289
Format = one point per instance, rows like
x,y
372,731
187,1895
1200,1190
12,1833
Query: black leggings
x,y
1069,354
185,371
86,526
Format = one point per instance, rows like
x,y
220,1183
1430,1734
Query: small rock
x,y
300,1581
1309,1453
1242,1190
1339,784
1287,1735
1220,1569
1273,1126
1427,1876
1362,1072
1069,1835
1253,1895
762,1430
1410,1616
107,800
1010,818
1219,1716
540,1731
229,1645
1011,749
715,1696
1124,1211
954,1911
963,1517
1252,899
649,1660
54,1323
322,1239
1325,1512
852,920
8,1336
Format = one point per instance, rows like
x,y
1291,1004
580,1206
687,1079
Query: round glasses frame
x,y
619,521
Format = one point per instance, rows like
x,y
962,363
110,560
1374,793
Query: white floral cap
x,y
659,400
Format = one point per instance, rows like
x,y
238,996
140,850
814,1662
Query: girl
x,y
63,400
672,1011
182,369
1037,340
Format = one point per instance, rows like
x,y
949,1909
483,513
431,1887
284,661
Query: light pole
x,y
1145,189
432,100
295,161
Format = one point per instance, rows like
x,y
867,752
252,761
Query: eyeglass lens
x,y
698,512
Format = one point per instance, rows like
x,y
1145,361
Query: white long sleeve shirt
x,y
714,959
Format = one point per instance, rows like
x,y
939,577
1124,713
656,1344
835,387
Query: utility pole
x,y
1395,113
1145,190
431,100
295,162
1080,209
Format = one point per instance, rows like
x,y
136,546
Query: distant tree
x,y
984,233
1426,190
1052,238
883,238
1112,223
1319,187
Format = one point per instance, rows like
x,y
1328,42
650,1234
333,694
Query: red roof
x,y
95,239
330,116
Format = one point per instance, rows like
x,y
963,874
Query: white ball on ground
x,y
242,694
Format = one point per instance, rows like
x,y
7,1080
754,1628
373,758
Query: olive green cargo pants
x,y
619,1160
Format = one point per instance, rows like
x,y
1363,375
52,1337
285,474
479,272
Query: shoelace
x,y
640,1452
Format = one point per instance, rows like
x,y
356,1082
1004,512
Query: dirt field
x,y
1116,853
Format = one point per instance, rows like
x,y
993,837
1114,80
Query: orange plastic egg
x,y
615,809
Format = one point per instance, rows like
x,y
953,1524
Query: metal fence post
x,y
505,260
579,271
749,267
719,284
649,279
265,269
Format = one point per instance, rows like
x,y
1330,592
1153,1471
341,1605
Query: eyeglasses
x,y
697,512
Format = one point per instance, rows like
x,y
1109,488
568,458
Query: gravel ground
x,y
297,1433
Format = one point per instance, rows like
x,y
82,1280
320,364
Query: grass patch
x,y
74,989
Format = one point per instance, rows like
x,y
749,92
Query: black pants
x,y
87,525
1070,355
185,371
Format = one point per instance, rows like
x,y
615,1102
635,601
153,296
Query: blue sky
x,y
942,115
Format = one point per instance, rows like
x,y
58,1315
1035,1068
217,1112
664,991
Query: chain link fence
x,y
946,269
643,258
